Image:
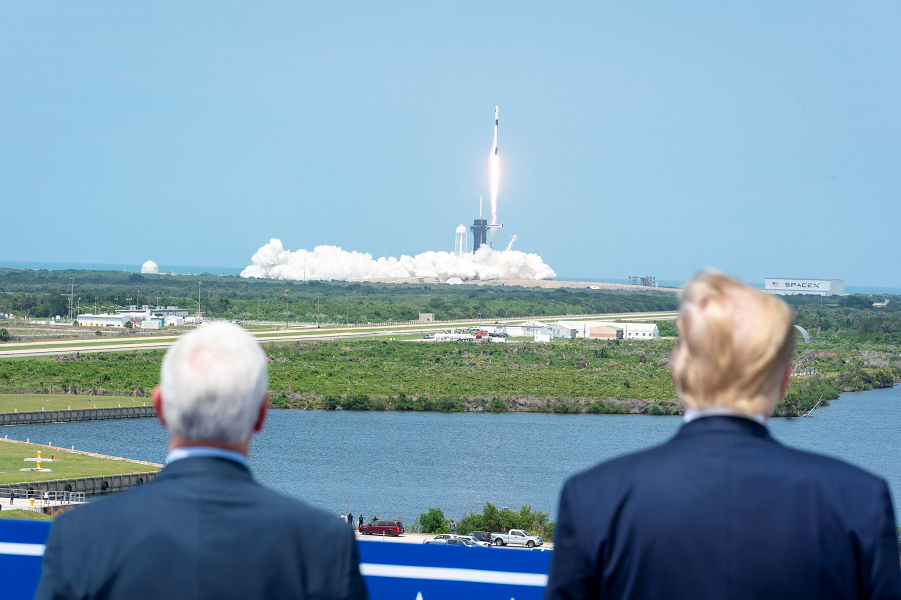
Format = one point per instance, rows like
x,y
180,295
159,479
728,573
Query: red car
x,y
389,528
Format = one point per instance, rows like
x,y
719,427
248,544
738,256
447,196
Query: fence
x,y
57,496
80,414
391,570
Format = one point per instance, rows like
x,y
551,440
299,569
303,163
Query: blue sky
x,y
759,138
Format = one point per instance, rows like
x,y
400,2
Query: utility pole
x,y
71,299
317,310
259,297
198,297
286,309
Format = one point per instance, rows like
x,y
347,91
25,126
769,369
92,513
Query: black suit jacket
x,y
202,529
724,511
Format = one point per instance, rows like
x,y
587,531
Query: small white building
x,y
152,323
787,286
563,332
174,321
631,331
102,320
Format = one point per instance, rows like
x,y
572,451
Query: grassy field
x,y
24,515
35,402
378,374
69,465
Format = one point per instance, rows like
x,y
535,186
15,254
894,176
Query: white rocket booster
x,y
494,143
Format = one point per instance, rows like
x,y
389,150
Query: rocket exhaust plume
x,y
273,261
493,162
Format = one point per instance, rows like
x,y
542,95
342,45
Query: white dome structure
x,y
150,267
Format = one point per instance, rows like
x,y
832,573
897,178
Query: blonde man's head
x,y
735,346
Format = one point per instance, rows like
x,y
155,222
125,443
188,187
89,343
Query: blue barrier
x,y
21,549
392,570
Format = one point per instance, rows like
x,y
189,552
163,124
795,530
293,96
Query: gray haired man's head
x,y
213,383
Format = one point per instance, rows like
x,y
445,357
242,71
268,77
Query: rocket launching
x,y
494,143
493,161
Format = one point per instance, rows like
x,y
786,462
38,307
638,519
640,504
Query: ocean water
x,y
404,463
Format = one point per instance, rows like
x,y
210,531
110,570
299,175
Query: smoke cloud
x,y
272,261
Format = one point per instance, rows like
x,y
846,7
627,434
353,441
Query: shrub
x,y
496,405
433,522
5,336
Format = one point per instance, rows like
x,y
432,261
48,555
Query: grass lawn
x,y
24,515
34,402
66,464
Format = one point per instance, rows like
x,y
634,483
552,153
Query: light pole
x,y
259,298
71,298
199,283
286,309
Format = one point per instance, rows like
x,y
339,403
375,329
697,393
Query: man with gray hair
x,y
203,528
723,510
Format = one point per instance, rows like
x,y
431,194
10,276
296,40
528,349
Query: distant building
x,y
525,329
605,333
426,317
563,332
811,287
102,320
630,331
174,321
152,323
882,304
142,313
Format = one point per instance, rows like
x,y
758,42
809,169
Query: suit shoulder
x,y
626,465
313,519
837,470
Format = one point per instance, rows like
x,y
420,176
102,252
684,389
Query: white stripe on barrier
x,y
22,549
451,574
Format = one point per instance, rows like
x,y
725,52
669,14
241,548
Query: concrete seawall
x,y
85,414
91,486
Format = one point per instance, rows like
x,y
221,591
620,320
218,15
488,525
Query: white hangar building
x,y
784,286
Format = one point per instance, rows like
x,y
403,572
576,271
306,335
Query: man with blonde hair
x,y
203,528
723,510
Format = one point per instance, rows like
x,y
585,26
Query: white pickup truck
x,y
517,537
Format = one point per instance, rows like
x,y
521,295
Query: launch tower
x,y
480,229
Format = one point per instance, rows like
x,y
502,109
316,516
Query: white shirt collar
x,y
192,451
692,414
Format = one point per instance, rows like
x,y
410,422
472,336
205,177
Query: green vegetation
x,y
24,515
66,464
37,402
581,376
433,522
41,294
493,520
4,335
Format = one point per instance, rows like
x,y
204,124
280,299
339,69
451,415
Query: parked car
x,y
482,536
389,528
471,541
517,537
461,542
440,539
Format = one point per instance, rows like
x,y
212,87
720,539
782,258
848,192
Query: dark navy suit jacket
x,y
202,529
724,511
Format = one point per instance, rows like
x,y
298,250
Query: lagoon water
x,y
404,463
